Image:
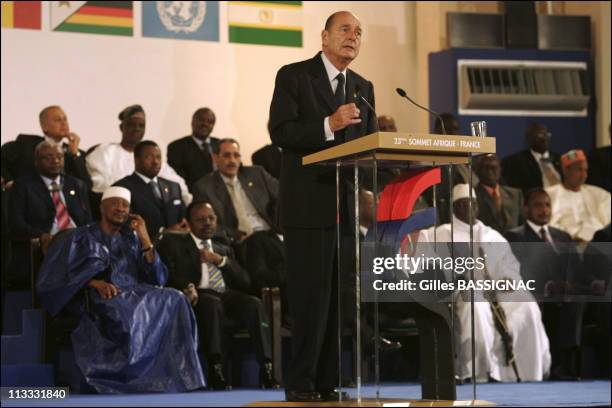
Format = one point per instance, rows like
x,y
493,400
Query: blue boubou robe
x,y
143,340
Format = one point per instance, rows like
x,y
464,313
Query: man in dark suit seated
x,y
191,156
536,166
499,206
208,273
269,157
43,204
18,155
244,199
547,255
154,198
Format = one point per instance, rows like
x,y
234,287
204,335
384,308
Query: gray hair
x,y
44,144
43,113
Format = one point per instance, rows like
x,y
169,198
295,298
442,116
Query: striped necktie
x,y
215,277
61,212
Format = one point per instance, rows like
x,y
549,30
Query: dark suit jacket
x,y
523,172
31,209
144,203
599,167
18,159
302,99
32,212
269,157
541,262
259,186
189,161
512,202
265,258
182,257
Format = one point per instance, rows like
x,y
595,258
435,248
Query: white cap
x,y
120,192
462,191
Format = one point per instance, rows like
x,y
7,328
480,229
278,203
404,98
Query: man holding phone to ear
x,y
137,336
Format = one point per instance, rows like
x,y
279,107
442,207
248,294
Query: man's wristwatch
x,y
147,249
223,262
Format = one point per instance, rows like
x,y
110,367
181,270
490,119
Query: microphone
x,y
403,94
357,95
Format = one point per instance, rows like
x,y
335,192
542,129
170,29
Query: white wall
x,y
93,77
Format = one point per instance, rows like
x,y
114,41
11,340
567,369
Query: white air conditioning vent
x,y
522,88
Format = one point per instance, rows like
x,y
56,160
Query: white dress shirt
x,y
203,284
332,73
58,181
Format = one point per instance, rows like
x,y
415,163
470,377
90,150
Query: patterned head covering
x,y
571,157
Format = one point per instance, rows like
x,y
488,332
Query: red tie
x,y
61,213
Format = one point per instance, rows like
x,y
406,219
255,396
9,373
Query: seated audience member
x,y
386,123
500,206
523,318
43,204
577,208
137,337
243,197
599,166
546,255
269,157
191,156
110,162
214,281
154,198
18,155
535,167
347,284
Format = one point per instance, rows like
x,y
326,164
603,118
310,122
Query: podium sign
x,y
418,147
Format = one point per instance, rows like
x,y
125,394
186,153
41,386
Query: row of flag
x,y
249,22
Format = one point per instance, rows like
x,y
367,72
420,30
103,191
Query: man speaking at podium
x,y
317,103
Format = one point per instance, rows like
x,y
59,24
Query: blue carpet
x,y
585,393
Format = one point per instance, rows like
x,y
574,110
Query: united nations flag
x,y
187,20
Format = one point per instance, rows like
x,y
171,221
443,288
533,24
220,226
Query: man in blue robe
x,y
136,337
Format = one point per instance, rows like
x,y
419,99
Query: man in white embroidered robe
x,y
529,340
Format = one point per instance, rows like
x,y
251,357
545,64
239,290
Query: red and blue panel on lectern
x,y
395,216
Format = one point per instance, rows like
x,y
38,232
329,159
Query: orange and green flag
x,y
94,17
21,14
266,22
